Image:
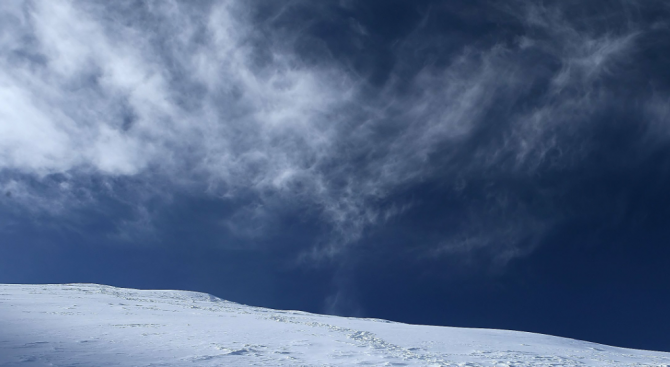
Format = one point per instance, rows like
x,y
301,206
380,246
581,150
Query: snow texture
x,y
95,325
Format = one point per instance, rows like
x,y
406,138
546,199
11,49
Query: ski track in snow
x,y
94,325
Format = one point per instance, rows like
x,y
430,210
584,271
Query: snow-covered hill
x,y
94,325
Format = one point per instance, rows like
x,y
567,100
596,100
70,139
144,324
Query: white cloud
x,y
208,100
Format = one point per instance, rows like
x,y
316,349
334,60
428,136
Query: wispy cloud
x,y
206,98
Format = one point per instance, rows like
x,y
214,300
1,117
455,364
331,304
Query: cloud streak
x,y
206,98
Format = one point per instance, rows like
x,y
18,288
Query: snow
x,y
96,325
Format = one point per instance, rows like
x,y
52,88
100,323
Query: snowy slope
x,y
93,325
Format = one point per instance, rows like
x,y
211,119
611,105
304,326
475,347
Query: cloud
x,y
206,98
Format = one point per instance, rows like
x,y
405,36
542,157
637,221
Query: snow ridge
x,y
97,325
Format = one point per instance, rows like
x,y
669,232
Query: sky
x,y
496,164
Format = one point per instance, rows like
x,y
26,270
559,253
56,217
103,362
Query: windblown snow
x,y
95,325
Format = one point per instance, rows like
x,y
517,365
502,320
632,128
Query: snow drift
x,y
95,325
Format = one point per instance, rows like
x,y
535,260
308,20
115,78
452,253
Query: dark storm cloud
x,y
342,110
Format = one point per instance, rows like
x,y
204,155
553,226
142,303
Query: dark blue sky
x,y
498,164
